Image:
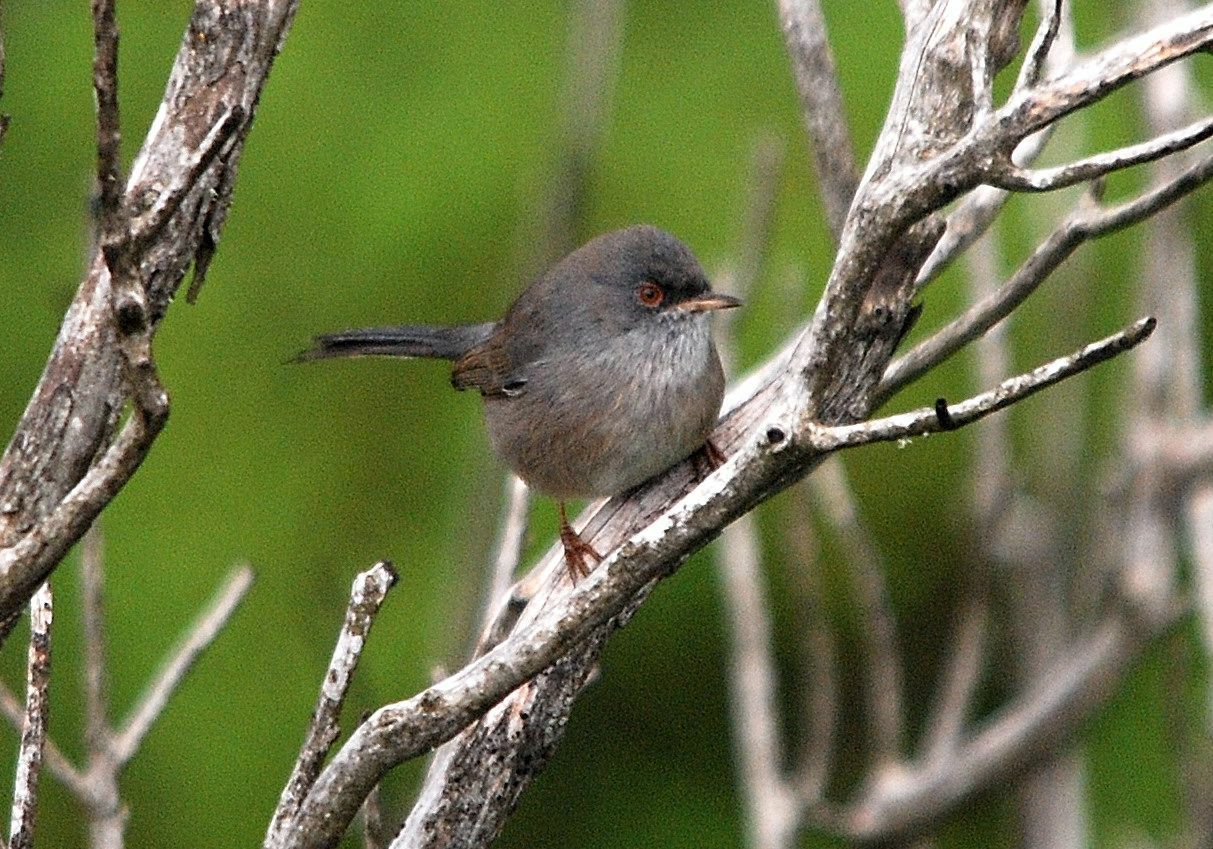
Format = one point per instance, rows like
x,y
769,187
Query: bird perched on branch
x,y
601,374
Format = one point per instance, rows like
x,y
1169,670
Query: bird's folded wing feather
x,y
486,367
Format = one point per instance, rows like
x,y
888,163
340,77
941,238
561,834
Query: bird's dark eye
x,y
650,294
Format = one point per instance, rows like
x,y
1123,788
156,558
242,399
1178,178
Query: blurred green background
x,y
396,172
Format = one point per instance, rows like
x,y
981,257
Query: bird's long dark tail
x,y
439,342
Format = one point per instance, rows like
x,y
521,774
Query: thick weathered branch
x,y
549,631
63,464
934,149
366,595
33,732
1052,49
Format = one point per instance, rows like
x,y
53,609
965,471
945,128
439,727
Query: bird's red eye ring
x,y
650,294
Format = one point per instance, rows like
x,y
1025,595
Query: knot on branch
x,y
130,314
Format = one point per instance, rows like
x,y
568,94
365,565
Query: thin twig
x,y
96,703
151,704
366,595
105,87
977,211
825,120
1036,63
753,684
933,420
102,800
52,756
514,524
33,732
1015,178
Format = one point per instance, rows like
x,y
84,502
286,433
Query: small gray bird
x,y
602,373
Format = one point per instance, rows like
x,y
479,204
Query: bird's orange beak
x,y
709,301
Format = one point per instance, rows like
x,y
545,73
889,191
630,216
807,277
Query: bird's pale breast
x,y
620,412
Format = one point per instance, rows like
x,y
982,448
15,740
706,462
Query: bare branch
x,y
151,704
932,150
883,685
105,87
99,795
804,31
399,731
1028,729
1015,178
36,553
366,595
1036,62
1087,222
770,803
52,756
951,416
96,704
509,547
977,211
914,11
753,683
1105,71
55,478
33,732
